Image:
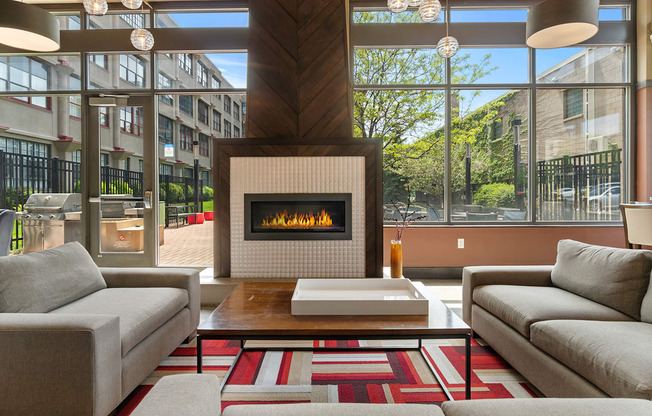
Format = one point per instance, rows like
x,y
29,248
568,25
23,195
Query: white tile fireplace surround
x,y
297,259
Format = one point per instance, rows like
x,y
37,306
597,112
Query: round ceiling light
x,y
397,6
29,27
429,10
447,47
132,4
142,39
415,3
96,7
560,23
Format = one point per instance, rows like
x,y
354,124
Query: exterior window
x,y
165,82
104,159
497,129
165,133
217,120
227,104
215,83
202,112
104,116
132,69
236,112
134,20
100,60
140,165
185,104
74,23
204,177
75,100
185,138
164,169
125,164
573,103
76,156
20,73
131,120
185,62
236,132
202,74
188,173
203,145
23,147
227,129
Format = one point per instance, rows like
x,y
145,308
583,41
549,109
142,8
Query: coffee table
x,y
261,311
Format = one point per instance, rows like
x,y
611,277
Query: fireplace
x,y
305,216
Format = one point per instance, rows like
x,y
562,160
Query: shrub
x,y
175,193
16,197
495,195
207,193
117,187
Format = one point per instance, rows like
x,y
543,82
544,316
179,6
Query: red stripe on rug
x,y
350,376
247,367
376,393
345,393
407,367
284,371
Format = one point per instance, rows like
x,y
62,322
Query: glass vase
x,y
396,259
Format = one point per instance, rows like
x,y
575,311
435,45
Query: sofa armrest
x,y
158,277
59,364
499,275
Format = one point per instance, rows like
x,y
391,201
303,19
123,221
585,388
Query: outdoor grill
x,y
50,220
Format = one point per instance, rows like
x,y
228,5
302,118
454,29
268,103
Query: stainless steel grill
x,y
50,220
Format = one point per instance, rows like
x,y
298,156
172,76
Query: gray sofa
x,y
198,395
580,328
76,339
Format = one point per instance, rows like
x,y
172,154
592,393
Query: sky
x,y
511,63
232,65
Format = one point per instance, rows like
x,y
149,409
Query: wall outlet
x,y
460,243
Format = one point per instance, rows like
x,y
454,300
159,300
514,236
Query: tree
x,y
410,121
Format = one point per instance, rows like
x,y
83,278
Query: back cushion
x,y
614,277
42,281
646,306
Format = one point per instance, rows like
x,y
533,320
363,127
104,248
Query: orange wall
x,y
437,246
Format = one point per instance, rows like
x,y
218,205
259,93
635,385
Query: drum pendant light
x,y
560,23
28,27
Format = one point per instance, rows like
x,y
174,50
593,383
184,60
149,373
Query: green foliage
x,y
207,193
175,194
16,197
495,195
110,188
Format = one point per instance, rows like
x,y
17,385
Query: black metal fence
x,y
582,187
24,175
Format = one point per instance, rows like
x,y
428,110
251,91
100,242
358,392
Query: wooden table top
x,y
264,310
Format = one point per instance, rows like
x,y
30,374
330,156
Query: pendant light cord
x,y
447,15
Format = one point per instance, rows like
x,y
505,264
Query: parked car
x,y
609,196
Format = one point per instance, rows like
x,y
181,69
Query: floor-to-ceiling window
x,y
500,132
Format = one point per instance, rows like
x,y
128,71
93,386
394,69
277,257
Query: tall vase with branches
x,y
404,221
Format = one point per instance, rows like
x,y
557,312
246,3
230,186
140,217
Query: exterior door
x,y
122,182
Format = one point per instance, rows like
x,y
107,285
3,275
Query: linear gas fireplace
x,y
307,216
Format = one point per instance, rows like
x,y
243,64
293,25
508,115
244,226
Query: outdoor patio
x,y
188,245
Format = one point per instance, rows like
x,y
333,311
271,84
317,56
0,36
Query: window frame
x,y
202,111
508,36
186,135
185,62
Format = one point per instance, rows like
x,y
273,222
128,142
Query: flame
x,y
298,221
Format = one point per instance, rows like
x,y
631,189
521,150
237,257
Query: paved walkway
x,y
188,245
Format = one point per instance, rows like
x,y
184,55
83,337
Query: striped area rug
x,y
344,377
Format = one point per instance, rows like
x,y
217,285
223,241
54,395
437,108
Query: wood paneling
x,y
370,149
298,77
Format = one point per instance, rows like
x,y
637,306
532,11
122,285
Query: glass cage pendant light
x,y
132,4
397,6
429,10
96,7
448,46
142,39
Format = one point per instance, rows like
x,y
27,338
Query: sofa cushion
x,y
548,407
615,277
612,355
334,409
142,310
521,306
42,281
646,305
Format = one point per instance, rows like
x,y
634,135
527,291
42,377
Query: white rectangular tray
x,y
358,297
